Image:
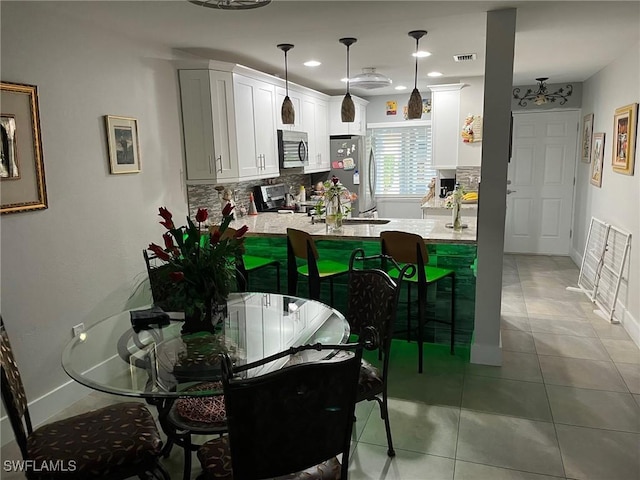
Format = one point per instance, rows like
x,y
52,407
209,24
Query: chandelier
x,y
231,4
542,96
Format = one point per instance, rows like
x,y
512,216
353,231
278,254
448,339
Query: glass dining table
x,y
159,363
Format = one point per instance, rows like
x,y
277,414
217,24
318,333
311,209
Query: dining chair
x,y
290,423
115,442
248,264
409,248
300,245
372,301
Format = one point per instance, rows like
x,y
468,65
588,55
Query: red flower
x,y
215,237
202,215
226,211
168,241
166,215
159,252
241,231
335,180
176,276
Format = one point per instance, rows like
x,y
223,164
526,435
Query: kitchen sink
x,y
357,221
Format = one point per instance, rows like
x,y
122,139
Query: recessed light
x,y
434,74
401,87
312,63
421,54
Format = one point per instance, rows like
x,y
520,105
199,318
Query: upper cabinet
x,y
229,125
445,124
315,121
255,102
357,127
207,118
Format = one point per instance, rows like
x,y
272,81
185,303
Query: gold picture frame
x,y
587,137
21,167
624,139
124,147
598,158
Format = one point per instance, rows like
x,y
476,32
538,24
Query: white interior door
x,y
541,176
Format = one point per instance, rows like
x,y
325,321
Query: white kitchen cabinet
x,y
255,128
445,124
229,123
296,100
207,96
357,127
315,121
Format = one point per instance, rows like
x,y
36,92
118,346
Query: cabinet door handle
x,y
219,159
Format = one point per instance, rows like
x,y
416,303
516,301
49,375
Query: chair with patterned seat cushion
x,y
289,423
372,302
300,245
117,441
409,248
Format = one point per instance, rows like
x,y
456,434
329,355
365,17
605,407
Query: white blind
x,y
404,164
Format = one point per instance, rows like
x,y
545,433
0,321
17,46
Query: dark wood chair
x,y
288,424
408,248
248,264
114,442
372,302
300,245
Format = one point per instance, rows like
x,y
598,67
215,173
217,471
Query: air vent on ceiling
x,y
464,57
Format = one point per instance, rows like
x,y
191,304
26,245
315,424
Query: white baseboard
x,y
46,406
630,324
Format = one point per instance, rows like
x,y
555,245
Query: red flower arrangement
x,y
200,265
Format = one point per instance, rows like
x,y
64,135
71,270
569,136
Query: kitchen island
x,y
433,230
447,249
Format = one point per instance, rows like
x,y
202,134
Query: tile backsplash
x,y
468,178
206,196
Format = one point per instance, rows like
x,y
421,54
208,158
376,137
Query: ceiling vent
x,y
369,79
464,57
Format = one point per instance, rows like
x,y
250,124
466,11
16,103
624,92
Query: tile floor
x,y
564,405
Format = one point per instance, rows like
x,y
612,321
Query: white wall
x,y
471,102
377,107
81,259
618,201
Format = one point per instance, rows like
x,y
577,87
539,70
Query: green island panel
x,y
452,256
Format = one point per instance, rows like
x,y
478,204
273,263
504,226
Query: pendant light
x,y
348,110
287,113
414,109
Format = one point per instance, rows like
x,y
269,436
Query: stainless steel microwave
x,y
293,149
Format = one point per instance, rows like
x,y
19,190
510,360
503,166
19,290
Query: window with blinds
x,y
404,164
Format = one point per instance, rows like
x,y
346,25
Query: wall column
x,y
501,25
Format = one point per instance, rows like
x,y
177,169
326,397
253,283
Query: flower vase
x,y
333,214
203,320
455,216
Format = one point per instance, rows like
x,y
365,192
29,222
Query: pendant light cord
x,y
286,72
348,82
415,77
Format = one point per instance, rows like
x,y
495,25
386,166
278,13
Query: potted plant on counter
x,y
200,265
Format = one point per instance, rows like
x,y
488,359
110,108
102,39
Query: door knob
x,y
509,192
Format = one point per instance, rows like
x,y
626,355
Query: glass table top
x,y
161,362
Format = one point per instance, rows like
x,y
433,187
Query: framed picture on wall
x,y
624,139
22,182
598,157
587,134
124,150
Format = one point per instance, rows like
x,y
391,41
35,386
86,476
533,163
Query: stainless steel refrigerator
x,y
353,162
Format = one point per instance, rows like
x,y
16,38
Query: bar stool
x,y
301,245
406,247
247,264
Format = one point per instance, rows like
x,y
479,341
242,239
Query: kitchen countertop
x,y
433,230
